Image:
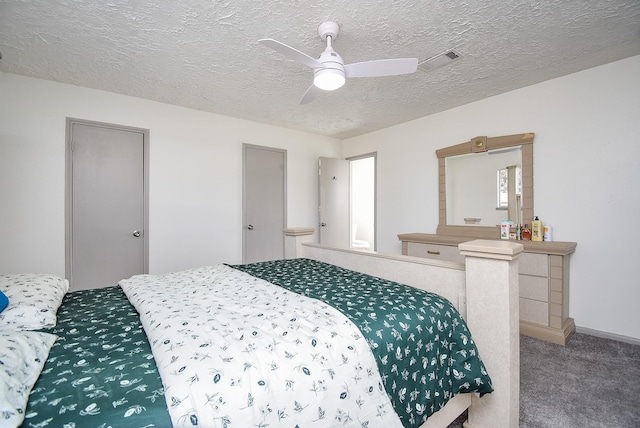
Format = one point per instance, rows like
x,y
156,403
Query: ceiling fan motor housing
x,y
330,59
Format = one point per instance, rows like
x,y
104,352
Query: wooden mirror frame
x,y
483,144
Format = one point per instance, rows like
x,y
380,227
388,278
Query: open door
x,y
333,208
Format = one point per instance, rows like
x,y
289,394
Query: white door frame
x,y
69,188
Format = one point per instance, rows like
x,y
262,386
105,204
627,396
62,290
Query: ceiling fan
x,y
330,71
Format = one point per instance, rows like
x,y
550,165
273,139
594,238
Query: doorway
x,y
264,203
362,201
107,203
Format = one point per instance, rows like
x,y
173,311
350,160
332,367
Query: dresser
x,y
543,280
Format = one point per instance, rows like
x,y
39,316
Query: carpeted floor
x,y
590,383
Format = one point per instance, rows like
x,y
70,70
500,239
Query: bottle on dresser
x,y
526,233
536,230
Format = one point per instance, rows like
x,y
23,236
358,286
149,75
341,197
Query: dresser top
x,y
544,247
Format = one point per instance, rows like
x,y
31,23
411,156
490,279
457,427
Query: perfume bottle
x,y
526,233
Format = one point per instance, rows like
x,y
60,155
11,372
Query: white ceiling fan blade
x,y
310,95
381,67
292,53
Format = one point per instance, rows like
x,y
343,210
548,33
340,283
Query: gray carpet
x,y
590,383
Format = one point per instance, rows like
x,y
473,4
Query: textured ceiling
x,y
205,54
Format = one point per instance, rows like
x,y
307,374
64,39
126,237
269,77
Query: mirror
x,y
482,188
469,189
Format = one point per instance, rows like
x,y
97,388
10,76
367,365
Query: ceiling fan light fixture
x,y
329,79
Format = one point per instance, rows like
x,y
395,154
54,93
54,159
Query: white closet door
x,y
264,203
107,229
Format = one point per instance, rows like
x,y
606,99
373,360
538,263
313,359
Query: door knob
x,y
136,233
250,227
323,224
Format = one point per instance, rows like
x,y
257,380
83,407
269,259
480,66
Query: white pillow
x,y
34,300
23,354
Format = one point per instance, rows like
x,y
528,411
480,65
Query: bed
x,y
101,370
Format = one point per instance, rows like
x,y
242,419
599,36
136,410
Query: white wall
x,y
195,174
586,178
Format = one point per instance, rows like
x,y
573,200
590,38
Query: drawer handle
x,y
435,253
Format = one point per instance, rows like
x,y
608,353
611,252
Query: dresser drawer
x,y
447,253
534,311
534,264
534,287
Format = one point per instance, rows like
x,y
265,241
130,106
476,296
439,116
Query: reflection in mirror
x,y
479,191
509,181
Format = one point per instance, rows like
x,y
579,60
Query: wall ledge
x,y
298,231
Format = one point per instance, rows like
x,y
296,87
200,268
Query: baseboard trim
x,y
558,336
606,335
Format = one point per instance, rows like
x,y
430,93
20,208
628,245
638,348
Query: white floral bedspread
x,y
234,350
